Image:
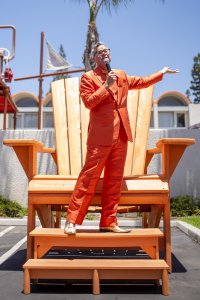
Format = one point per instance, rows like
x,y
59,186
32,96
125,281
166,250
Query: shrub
x,y
197,212
182,206
11,208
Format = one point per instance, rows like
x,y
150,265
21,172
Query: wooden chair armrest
x,y
154,151
38,145
175,141
26,151
172,150
48,150
19,143
149,155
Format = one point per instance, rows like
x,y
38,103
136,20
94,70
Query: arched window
x,y
27,102
27,118
173,110
171,101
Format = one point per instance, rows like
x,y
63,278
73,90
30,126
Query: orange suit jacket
x,y
102,102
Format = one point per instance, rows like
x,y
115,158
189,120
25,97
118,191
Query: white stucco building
x,y
171,109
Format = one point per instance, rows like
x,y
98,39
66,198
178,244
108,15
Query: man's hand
x,y
111,78
166,70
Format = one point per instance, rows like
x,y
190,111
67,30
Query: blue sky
x,y
143,38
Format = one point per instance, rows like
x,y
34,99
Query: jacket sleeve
x,y
89,95
135,82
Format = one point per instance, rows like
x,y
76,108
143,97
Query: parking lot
x,y
183,281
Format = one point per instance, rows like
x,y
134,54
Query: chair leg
x,y
26,281
96,286
165,283
144,220
30,227
167,233
58,219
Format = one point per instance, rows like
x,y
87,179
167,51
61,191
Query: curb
x,y
189,230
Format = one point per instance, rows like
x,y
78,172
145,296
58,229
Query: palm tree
x,y
92,33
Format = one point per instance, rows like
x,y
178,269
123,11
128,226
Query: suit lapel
x,y
115,89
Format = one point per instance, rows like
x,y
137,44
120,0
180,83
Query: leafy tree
x,y
92,33
188,93
195,83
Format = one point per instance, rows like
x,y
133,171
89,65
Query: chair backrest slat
x,y
132,105
60,124
71,126
142,130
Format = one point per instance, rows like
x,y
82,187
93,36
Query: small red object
x,y
8,75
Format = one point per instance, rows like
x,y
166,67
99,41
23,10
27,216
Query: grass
x,y
192,220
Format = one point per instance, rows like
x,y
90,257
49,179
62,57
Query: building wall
x,y
1,121
14,184
194,113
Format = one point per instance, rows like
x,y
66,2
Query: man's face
x,y
102,53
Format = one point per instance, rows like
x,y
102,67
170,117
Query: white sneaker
x,y
70,228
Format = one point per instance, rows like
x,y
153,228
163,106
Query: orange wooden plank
x,y
60,124
96,263
142,130
136,232
73,123
128,186
132,106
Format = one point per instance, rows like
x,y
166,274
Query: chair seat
x,y
134,185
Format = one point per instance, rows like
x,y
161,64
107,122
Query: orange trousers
x,y
112,160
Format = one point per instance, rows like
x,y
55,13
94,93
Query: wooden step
x,y
144,238
96,270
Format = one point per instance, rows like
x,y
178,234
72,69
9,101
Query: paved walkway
x,y
184,279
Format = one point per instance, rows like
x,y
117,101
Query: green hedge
x,y
11,209
183,206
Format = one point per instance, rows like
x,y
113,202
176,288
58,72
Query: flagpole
x,y
40,82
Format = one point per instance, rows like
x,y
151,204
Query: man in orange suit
x,y
104,92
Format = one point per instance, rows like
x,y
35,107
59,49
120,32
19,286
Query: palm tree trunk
x,y
92,39
92,35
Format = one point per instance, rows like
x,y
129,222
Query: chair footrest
x,y
90,234
142,238
96,270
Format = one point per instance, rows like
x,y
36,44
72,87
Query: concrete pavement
x,y
183,281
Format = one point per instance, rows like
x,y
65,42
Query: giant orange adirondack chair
x,y
142,192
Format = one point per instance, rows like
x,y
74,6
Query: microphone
x,y
106,62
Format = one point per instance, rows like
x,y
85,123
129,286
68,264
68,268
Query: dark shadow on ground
x,y
16,261
177,266
77,287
